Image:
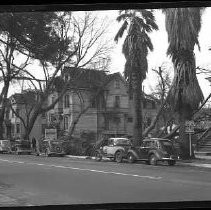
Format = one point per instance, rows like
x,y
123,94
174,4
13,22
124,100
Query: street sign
x,y
189,126
51,133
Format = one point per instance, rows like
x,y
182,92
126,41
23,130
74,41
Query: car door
x,y
144,149
110,148
105,146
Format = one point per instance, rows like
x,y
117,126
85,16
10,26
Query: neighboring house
x,y
109,114
22,103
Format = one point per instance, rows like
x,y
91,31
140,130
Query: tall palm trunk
x,y
137,112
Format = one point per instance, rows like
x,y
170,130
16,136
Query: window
x,y
117,84
66,101
117,102
130,119
144,104
153,105
18,128
52,118
52,99
13,114
66,125
12,129
66,77
18,111
43,115
43,128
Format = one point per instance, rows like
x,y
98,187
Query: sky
x,y
160,42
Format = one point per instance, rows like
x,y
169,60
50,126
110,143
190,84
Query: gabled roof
x,y
90,78
25,97
85,78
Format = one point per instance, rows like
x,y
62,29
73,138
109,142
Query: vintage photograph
x,y
105,108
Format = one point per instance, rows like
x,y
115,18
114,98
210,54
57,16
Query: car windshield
x,y
166,144
5,142
122,142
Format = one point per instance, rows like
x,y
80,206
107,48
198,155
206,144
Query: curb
x,y
83,157
204,165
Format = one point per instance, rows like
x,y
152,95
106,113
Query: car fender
x,y
155,152
133,152
120,150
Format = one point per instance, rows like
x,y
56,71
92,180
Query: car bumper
x,y
170,158
19,150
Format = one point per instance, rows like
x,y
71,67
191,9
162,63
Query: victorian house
x,y
102,98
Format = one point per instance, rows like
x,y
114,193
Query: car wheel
x,y
153,160
118,157
98,156
130,158
171,162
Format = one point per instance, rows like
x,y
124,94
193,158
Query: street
x,y
28,180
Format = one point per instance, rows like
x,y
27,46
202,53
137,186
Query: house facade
x,y
108,114
96,103
21,103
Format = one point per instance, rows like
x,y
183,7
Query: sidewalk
x,y
199,161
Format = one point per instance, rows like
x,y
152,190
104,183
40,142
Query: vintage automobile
x,y
153,150
5,146
113,148
51,147
22,147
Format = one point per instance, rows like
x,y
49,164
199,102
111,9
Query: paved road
x,y
31,180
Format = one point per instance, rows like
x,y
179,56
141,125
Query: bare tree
x,y
93,45
79,40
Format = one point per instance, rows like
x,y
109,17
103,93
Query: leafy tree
x,y
19,36
138,24
183,26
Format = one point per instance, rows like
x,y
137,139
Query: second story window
x,y
13,114
66,101
18,111
52,99
117,84
153,105
66,77
144,104
66,124
18,128
117,102
43,115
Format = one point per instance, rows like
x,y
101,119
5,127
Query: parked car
x,y
113,148
153,150
22,147
5,146
52,147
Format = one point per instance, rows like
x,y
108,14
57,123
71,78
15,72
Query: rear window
x,y
166,143
122,142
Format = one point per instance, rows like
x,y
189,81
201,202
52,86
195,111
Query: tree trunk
x,y
183,136
30,125
3,107
137,114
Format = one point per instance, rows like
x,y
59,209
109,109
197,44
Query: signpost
x,y
189,129
51,133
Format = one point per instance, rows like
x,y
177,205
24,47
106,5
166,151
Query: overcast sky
x,y
160,43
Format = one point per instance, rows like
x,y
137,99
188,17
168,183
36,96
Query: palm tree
x,y
137,24
183,26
